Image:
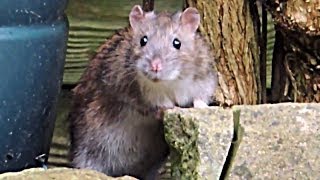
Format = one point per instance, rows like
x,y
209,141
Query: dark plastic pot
x,y
33,38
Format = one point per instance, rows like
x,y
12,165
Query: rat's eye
x,y
176,43
143,41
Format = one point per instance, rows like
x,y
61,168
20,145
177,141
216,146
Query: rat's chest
x,y
169,94
180,92
133,131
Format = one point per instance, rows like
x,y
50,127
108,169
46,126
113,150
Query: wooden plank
x,y
85,40
83,44
92,33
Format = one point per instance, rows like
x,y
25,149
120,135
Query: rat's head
x,y
164,44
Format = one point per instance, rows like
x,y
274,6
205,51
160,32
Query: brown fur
x,y
115,126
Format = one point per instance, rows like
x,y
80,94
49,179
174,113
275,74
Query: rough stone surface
x,y
58,173
280,141
200,140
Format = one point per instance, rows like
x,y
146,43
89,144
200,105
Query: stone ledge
x,y
280,141
276,141
200,140
58,173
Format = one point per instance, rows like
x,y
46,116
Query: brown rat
x,y
158,62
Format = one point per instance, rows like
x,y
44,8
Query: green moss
x,y
181,134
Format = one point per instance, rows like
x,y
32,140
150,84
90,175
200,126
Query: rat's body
x,y
159,62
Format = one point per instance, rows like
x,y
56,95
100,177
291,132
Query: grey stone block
x,y
280,141
57,174
200,140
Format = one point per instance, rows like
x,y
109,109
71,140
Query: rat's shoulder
x,y
201,39
203,44
120,37
104,61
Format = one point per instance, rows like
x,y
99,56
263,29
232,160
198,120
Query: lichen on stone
x,y
181,134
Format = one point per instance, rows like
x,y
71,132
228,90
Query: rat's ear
x,y
136,16
190,19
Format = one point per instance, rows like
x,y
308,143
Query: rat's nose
x,y
156,65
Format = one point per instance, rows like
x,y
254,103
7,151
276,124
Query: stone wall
x,y
279,141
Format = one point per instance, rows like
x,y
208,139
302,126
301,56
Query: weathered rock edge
x,y
280,141
200,140
217,143
228,150
58,173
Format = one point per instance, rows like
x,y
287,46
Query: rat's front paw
x,y
159,112
197,103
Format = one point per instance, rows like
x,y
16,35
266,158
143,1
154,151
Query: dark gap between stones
x,y
237,137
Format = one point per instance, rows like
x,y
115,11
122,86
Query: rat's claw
x,y
197,103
